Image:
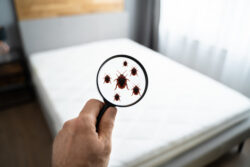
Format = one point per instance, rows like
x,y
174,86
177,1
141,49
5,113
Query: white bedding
x,y
181,108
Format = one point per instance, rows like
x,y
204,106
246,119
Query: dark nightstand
x,y
15,85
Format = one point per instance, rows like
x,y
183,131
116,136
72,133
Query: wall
x,y
8,20
58,32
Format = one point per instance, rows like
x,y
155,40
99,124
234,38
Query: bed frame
x,y
46,34
205,152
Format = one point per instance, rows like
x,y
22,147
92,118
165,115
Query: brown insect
x,y
117,97
125,63
107,79
121,81
133,71
136,90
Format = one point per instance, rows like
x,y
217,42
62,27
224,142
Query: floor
x,y
25,140
233,158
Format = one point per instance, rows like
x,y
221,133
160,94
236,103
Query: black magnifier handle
x,y
102,111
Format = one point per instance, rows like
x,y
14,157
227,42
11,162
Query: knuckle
x,y
94,102
91,101
84,124
67,124
86,119
59,134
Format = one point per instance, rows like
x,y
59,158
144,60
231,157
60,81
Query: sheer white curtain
x,y
211,36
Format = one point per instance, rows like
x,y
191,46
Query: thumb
x,y
107,123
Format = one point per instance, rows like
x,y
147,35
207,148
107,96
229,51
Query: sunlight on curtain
x,y
211,36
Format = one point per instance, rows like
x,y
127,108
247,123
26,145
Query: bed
x,y
185,119
182,111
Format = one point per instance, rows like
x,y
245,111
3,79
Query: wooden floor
x,y
234,159
25,140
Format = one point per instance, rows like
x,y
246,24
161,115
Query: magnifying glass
x,y
122,81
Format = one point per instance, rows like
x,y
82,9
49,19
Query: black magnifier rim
x,y
143,69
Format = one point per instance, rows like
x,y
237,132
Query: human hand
x,y
79,145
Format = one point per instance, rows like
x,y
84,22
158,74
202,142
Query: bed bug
x,y
117,97
125,63
107,79
121,81
136,90
133,71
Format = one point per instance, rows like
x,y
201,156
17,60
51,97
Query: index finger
x,y
91,109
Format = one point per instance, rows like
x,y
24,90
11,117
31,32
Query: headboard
x,y
45,34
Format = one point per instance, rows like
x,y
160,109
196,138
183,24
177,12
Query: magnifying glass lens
x,y
122,81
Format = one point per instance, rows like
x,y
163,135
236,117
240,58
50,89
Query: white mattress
x,y
181,108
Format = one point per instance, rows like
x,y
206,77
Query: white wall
x,y
8,20
57,32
